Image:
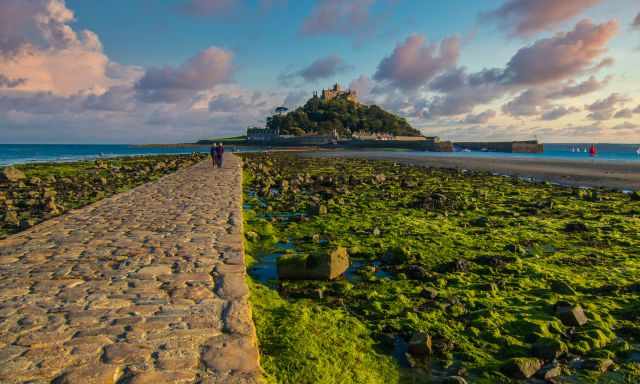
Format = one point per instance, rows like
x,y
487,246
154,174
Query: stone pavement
x,y
144,287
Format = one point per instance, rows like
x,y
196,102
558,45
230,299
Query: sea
x,y
39,153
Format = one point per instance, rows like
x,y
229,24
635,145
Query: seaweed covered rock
x,y
522,368
548,348
576,226
420,344
11,174
570,314
561,287
600,365
327,265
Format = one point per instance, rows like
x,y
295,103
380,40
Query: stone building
x,y
337,92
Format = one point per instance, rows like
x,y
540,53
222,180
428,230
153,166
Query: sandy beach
x,y
608,174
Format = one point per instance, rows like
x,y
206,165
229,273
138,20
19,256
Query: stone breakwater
x,y
145,287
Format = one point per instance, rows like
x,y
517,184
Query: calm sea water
x,y
29,153
37,153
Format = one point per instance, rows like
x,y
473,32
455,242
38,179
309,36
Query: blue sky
x,y
179,70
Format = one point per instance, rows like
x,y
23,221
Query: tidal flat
x,y
32,193
456,276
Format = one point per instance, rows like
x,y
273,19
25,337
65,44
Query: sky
x,y
168,71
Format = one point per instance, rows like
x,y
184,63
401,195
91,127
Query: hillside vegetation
x,y
318,116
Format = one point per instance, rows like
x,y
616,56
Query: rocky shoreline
x,y
457,276
32,193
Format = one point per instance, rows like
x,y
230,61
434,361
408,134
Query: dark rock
x,y
454,380
549,372
420,344
321,266
562,288
460,265
570,315
548,348
11,218
396,256
11,174
575,227
522,368
429,293
480,222
600,365
495,261
416,272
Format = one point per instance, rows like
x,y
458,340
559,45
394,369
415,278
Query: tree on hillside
x,y
319,116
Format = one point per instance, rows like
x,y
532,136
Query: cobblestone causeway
x,y
144,287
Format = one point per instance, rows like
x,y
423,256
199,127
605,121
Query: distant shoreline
x,y
619,175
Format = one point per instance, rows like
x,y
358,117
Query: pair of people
x,y
217,155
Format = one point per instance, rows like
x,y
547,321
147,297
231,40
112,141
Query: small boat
x,y
593,151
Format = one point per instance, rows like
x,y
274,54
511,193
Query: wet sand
x,y
580,173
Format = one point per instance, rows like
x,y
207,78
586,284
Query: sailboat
x,y
593,151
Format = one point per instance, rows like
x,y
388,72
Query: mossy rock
x,y
327,265
522,368
548,348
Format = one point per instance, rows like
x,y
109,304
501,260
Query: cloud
x,y
480,118
339,17
324,68
527,17
626,126
608,103
530,73
636,22
6,82
413,62
637,109
574,90
320,69
562,56
363,86
558,112
531,102
39,46
625,113
208,68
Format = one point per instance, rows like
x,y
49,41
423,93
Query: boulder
x,y
11,174
561,287
320,266
549,372
600,365
548,348
429,293
522,368
570,315
416,272
11,218
420,344
576,226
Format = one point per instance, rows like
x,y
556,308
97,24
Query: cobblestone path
x,y
144,287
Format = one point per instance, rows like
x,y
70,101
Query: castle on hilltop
x,y
337,93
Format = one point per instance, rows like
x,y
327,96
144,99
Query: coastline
x,y
612,174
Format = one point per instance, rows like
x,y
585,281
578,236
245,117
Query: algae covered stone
x,y
327,265
522,367
570,315
548,348
420,344
12,174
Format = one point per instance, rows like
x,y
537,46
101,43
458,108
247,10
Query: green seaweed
x,y
474,260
